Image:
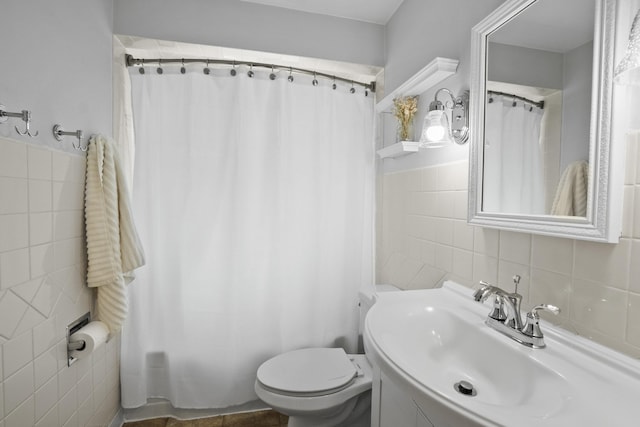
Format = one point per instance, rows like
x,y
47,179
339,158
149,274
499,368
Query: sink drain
x,y
465,387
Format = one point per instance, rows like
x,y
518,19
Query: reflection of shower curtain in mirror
x,y
513,158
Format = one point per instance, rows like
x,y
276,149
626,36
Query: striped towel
x,y
571,195
113,247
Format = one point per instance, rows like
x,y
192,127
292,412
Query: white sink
x,y
431,339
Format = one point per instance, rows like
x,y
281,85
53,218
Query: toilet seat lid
x,y
308,371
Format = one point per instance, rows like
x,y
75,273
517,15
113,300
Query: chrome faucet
x,y
509,321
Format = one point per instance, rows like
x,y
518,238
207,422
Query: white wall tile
x,y
444,257
1,402
39,161
46,397
460,205
515,247
67,196
85,411
634,271
72,421
603,263
46,297
30,320
67,252
68,405
40,196
445,204
23,416
41,293
45,336
633,320
550,288
17,353
552,253
18,388
486,241
46,367
12,309
14,232
13,195
41,260
429,179
463,235
485,268
444,231
636,210
50,419
61,166
67,380
603,309
463,264
40,228
85,385
14,268
637,138
627,211
27,290
13,159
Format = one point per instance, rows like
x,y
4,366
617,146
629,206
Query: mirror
x,y
541,95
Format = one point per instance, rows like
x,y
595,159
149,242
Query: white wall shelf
x,y
432,74
398,149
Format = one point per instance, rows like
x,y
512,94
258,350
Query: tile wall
x,y
425,238
42,274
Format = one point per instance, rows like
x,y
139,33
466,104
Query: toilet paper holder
x,y
74,327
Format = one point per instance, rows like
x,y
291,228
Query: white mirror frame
x,y
602,222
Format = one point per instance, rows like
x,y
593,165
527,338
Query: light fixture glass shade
x,y
628,70
435,130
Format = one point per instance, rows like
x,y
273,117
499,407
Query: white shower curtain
x,y
254,200
513,171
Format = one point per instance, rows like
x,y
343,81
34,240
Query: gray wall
x,y
56,62
418,32
241,25
523,66
576,104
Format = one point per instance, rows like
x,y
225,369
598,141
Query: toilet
x,y
321,387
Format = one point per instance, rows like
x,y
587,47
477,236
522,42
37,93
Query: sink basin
x,y
429,340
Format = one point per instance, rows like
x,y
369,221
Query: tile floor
x,y
247,419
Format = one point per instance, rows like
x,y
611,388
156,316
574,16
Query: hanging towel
x,y
113,246
571,194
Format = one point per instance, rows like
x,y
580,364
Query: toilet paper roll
x,y
94,334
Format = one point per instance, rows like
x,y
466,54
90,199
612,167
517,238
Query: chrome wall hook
x,y
58,133
24,115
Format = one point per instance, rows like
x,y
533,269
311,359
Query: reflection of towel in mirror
x,y
113,247
571,195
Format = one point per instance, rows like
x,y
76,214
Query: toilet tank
x,y
368,297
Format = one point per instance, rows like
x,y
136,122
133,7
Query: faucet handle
x,y
498,309
532,325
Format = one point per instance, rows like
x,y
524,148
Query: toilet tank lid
x,y
309,370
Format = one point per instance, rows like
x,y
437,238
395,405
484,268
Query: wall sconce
x,y
628,70
436,131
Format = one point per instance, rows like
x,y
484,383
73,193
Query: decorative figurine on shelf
x,y
404,110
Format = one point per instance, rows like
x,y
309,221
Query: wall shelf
x,y
398,149
435,72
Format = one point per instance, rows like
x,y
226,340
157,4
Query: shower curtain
x,y
513,172
254,200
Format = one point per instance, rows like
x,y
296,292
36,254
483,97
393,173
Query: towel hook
x,y
25,115
58,133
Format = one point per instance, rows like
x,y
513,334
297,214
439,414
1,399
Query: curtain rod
x,y
539,104
131,62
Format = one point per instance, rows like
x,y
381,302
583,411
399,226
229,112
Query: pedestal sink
x,y
429,341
